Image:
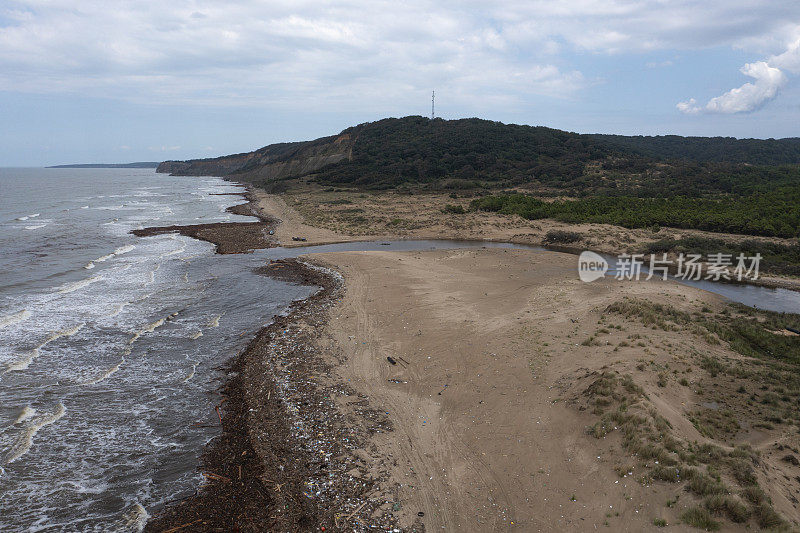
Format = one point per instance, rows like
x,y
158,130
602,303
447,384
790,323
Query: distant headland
x,y
141,164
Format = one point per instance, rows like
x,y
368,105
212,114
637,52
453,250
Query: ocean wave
x,y
152,275
103,258
32,427
214,322
150,328
14,318
72,287
118,309
109,372
133,519
124,249
173,252
196,335
27,413
190,375
28,357
37,226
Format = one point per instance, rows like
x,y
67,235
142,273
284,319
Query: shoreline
x,y
267,474
271,441
227,237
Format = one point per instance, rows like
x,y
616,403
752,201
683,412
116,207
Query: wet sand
x,y
445,390
228,237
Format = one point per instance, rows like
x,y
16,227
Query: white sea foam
x,y
152,275
37,226
103,258
108,373
174,252
27,413
150,328
214,322
196,335
133,519
89,265
32,427
124,249
27,358
72,287
118,308
191,374
15,318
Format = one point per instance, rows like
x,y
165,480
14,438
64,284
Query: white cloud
x,y
689,107
163,148
769,76
350,54
746,98
790,59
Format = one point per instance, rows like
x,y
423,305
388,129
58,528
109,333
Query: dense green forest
x,y
474,153
774,213
748,186
710,149
719,184
392,152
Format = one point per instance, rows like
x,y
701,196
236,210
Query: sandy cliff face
x,y
275,161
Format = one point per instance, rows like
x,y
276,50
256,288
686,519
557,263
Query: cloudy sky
x,y
109,81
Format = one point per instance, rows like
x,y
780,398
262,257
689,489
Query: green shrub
x,y
558,236
454,209
700,518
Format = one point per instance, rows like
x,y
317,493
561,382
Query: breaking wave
x,y
32,427
27,358
72,287
14,318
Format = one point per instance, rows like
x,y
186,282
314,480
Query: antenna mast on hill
x,y
433,98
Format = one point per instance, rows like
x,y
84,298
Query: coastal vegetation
x,y
741,186
771,214
754,392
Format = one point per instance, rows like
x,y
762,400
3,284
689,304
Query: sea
x,y
112,346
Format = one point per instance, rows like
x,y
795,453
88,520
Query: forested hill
x,y
475,153
704,149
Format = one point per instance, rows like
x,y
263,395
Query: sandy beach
x,y
491,374
488,390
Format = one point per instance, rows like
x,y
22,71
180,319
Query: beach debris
x,y
793,330
441,391
357,509
396,381
272,232
391,360
216,476
420,513
300,239
403,360
182,526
